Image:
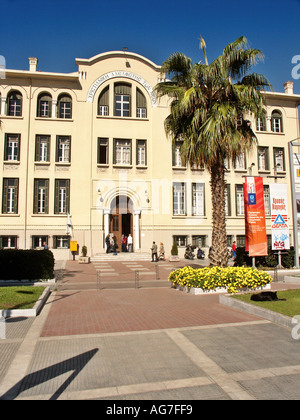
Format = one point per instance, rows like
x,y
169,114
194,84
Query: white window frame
x,y
123,151
179,199
12,148
198,199
239,196
121,102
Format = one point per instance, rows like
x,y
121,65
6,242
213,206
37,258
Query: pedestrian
x,y
154,252
114,245
45,245
129,242
162,252
124,243
107,242
233,248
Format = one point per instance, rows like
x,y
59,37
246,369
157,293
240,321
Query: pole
x,y
294,204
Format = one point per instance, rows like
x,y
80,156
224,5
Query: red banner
x,y
255,222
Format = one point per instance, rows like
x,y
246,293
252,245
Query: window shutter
x,y
35,196
16,185
4,197
56,197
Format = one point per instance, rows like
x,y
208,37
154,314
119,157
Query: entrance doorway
x,y
121,218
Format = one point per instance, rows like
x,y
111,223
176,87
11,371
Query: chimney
x,y
32,63
288,88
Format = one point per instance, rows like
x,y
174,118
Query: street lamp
x,y
294,203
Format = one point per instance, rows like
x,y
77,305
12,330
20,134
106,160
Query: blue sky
x,y
58,31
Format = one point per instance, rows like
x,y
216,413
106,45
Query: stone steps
x,y
122,256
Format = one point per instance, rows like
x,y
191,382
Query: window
x,y
122,100
240,207
199,241
61,242
279,161
263,159
240,162
261,124
103,103
41,196
267,200
227,200
276,122
64,108
122,152
102,158
240,241
10,195
39,241
141,104
179,199
8,242
12,147
42,148
181,240
63,149
198,208
14,104
44,106
177,160
62,196
141,153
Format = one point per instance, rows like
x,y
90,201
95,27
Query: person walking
x,y
233,248
162,252
129,243
154,252
107,242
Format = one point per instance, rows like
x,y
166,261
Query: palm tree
x,y
209,112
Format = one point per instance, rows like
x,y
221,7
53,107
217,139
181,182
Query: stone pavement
x,y
114,338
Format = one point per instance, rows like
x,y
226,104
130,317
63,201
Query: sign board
x,y
279,217
255,221
73,246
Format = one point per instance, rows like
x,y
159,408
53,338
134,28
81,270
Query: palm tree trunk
x,y
218,254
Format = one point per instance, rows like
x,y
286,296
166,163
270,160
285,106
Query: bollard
x,y
98,279
136,279
157,272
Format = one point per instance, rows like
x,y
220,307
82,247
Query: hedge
x,y
271,260
20,264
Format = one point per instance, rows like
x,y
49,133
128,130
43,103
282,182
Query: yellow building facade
x,y
89,149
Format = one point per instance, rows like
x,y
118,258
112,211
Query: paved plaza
x,y
119,335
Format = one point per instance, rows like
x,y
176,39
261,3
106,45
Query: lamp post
x,y
294,203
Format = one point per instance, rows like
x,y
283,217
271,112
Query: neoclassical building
x,y
90,147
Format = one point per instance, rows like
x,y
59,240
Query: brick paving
x,y
78,311
118,342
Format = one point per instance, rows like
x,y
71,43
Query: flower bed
x,y
233,279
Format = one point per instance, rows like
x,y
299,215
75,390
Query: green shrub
x,y
18,264
174,250
271,260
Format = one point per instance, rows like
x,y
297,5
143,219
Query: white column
x,y
269,128
3,103
54,109
106,223
136,243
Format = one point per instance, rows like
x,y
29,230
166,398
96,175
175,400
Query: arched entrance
x,y
121,217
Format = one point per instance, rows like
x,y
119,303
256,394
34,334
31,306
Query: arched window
x,y
44,106
14,104
276,122
261,124
64,108
122,100
103,102
141,104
